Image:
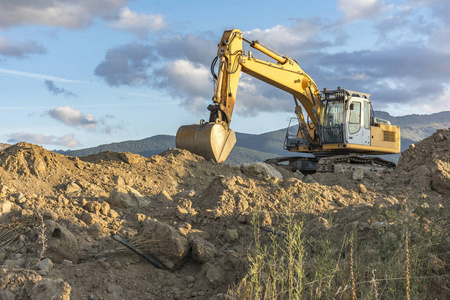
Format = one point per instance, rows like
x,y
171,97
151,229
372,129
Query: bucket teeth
x,y
210,140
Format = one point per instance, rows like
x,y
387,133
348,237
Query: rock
x,y
5,207
114,289
260,170
188,193
340,202
95,229
104,208
63,200
7,295
20,198
45,265
166,244
319,225
338,169
182,213
358,174
90,218
264,219
118,180
93,207
242,219
72,187
202,250
215,275
126,196
141,217
242,203
164,196
50,215
113,214
61,243
14,263
131,158
47,288
309,179
440,178
4,190
231,235
299,175
362,189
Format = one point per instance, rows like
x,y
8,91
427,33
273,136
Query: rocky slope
x,y
57,215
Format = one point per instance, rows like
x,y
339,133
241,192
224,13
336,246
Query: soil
x,y
192,215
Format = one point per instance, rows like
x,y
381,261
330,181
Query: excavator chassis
x,y
332,164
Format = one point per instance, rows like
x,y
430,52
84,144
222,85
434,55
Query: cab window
x,y
355,117
366,115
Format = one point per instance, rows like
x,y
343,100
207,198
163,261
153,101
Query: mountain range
x,y
259,147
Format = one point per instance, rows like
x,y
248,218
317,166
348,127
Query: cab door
x,y
358,129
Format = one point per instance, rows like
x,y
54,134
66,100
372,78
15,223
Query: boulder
x,y
231,235
5,207
90,218
440,178
164,196
61,243
358,174
126,196
202,250
261,170
166,244
45,265
72,187
309,179
47,288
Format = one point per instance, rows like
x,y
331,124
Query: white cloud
x,y
301,36
67,140
58,13
285,35
126,65
140,24
362,10
73,117
188,81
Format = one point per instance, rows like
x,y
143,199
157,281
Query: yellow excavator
x,y
333,125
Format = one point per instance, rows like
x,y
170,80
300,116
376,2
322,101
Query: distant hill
x,y
145,147
259,147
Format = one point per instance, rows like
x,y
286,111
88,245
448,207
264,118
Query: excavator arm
x,y
214,140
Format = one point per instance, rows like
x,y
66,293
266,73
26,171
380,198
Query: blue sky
x,y
76,74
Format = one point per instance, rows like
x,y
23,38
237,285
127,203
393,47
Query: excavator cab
x,y
347,117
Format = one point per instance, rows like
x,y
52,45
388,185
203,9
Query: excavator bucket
x,y
210,140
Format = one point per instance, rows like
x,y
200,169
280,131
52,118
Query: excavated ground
x,y
192,215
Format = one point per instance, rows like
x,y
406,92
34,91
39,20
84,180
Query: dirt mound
x,y
57,215
426,165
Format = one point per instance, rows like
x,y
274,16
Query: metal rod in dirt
x,y
273,231
127,244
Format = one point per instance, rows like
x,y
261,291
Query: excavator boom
x,y
214,140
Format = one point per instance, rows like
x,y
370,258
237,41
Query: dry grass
x,y
406,259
